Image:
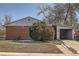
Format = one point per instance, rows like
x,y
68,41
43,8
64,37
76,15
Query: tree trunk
x,y
67,14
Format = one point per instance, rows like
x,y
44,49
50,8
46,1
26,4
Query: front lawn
x,y
11,46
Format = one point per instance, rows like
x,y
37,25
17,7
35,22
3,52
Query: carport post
x,y
73,34
58,33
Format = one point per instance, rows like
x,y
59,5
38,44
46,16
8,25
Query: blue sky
x,y
18,11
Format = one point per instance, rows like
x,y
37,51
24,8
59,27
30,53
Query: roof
x,y
26,21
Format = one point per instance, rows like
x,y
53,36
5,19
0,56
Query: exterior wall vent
x,y
28,19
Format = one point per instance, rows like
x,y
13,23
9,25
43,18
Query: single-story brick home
x,y
21,27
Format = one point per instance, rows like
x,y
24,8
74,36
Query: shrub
x,y
41,32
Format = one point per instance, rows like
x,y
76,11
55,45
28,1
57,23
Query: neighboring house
x,y
77,31
19,28
2,32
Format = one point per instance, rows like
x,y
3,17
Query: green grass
x,y
11,46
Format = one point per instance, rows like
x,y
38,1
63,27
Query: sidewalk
x,y
28,54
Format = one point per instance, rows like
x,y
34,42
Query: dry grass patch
x,y
10,46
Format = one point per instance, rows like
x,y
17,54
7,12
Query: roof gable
x,y
27,21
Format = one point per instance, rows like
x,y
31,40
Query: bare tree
x,y
51,13
61,13
7,19
71,11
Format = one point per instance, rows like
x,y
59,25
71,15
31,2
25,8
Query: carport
x,y
64,32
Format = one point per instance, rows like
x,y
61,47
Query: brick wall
x,y
12,32
77,33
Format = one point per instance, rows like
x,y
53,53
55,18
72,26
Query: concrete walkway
x,y
73,44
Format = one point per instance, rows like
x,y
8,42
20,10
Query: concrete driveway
x,y
72,43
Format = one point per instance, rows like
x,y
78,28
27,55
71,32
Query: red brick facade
x,y
12,32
